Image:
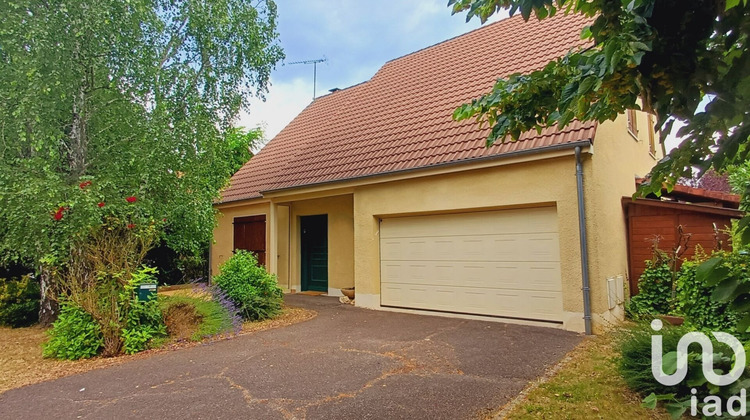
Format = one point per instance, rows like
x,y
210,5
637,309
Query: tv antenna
x,y
315,68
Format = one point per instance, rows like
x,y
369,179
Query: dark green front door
x,y
314,232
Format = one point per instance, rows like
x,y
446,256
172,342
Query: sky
x,y
356,37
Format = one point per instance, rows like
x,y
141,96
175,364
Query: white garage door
x,y
501,263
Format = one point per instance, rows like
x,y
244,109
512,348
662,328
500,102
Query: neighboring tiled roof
x,y
401,118
697,195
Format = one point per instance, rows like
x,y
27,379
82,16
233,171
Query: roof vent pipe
x,y
584,244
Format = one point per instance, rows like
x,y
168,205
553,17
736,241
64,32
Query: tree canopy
x,y
121,111
662,56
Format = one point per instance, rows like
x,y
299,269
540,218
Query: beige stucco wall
x,y
354,210
282,237
340,239
618,158
280,244
536,183
609,174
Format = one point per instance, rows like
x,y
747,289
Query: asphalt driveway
x,y
345,363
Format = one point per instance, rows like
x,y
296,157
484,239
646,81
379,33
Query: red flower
x,y
59,213
164,219
131,226
84,184
101,204
131,199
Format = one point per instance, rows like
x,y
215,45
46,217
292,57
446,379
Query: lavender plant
x,y
232,321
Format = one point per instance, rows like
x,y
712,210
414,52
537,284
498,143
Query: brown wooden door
x,y
250,235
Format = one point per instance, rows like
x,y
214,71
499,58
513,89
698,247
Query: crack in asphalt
x,y
250,400
344,368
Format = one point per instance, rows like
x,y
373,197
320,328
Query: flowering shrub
x,y
250,287
230,318
215,316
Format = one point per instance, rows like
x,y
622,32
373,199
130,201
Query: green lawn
x,y
587,386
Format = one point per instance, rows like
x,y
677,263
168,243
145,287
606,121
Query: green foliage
x,y
144,324
117,320
634,364
240,142
253,290
706,302
132,97
693,298
19,301
143,320
75,335
670,54
693,301
215,319
654,291
729,275
739,180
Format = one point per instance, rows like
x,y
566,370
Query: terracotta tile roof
x,y
401,118
698,195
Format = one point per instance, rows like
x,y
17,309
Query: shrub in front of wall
x,y
654,291
693,302
19,301
75,335
250,287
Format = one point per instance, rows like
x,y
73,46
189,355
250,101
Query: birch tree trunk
x,y
48,307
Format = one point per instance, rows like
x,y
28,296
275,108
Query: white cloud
x,y
357,38
283,102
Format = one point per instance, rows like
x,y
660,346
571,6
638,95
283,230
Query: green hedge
x,y
654,291
692,299
19,301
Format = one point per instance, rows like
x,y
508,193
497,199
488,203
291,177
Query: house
x,y
375,186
